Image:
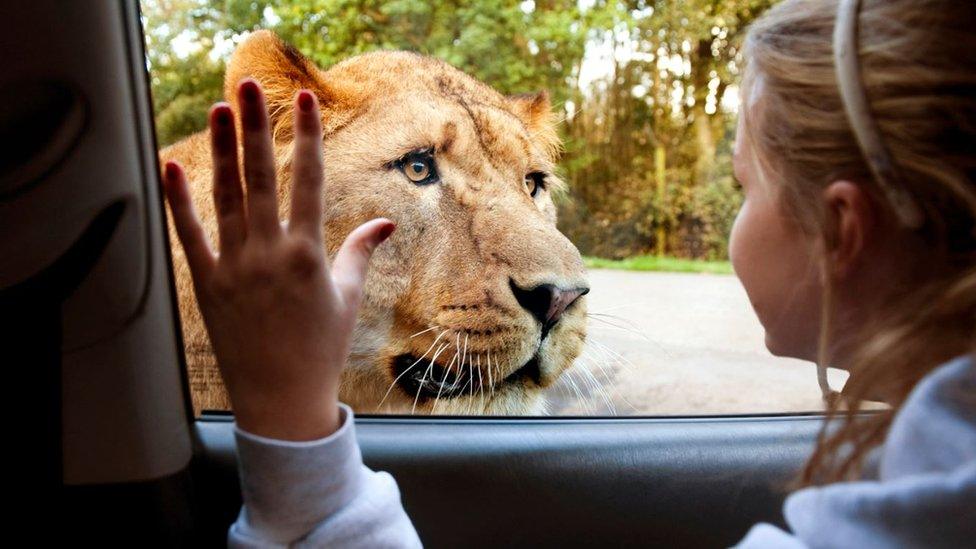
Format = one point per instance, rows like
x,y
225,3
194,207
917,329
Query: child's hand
x,y
279,318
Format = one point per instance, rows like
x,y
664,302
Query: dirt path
x,y
670,343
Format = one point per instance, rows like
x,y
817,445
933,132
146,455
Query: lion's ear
x,y
282,70
535,111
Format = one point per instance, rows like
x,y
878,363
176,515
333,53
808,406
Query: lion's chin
x,y
428,380
512,400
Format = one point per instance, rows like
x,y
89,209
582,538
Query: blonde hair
x,y
919,73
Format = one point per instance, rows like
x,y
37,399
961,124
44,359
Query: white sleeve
x,y
767,536
316,494
926,492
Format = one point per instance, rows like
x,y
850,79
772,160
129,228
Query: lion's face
x,y
474,305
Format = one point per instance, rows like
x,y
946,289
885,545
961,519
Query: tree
x,y
651,137
516,47
648,90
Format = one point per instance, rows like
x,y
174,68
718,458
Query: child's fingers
x,y
227,194
307,168
352,261
198,255
259,164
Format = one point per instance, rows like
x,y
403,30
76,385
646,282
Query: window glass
x,y
490,316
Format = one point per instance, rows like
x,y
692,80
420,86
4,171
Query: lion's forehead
x,y
381,72
500,137
401,83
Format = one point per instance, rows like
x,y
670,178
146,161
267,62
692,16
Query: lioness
x,y
474,304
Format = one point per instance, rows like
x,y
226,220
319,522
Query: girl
x,y
856,151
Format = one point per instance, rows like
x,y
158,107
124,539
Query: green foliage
x,y
515,49
669,92
666,66
655,263
184,115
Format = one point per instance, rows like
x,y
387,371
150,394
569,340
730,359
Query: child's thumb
x,y
352,262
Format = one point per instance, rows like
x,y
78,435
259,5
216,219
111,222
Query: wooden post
x,y
661,236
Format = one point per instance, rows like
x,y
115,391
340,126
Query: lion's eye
x,y
535,182
417,170
419,167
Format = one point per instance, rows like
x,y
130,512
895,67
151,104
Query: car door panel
x,y
693,482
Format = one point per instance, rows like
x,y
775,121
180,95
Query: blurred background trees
x,y
647,89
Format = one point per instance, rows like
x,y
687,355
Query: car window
x,y
641,313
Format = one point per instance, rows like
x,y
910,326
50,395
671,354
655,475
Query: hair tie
x,y
855,99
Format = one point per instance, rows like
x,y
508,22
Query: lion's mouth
x,y
423,379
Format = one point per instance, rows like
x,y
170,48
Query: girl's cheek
x,y
745,254
736,241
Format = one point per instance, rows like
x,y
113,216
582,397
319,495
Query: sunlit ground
x,y
679,344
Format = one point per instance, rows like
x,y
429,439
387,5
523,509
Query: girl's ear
x,y
851,226
282,70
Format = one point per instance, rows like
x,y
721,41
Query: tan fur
x,y
458,242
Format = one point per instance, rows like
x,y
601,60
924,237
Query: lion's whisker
x,y
577,370
440,386
463,349
626,305
615,317
599,363
392,385
572,384
464,353
598,388
423,332
478,366
565,390
628,329
597,354
624,360
423,379
631,329
603,392
601,351
481,385
458,351
470,391
447,372
608,377
471,371
470,361
580,382
471,402
588,381
490,383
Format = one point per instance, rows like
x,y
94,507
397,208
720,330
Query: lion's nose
x,y
546,302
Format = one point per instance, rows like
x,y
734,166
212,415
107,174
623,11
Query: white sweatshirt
x,y
319,493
